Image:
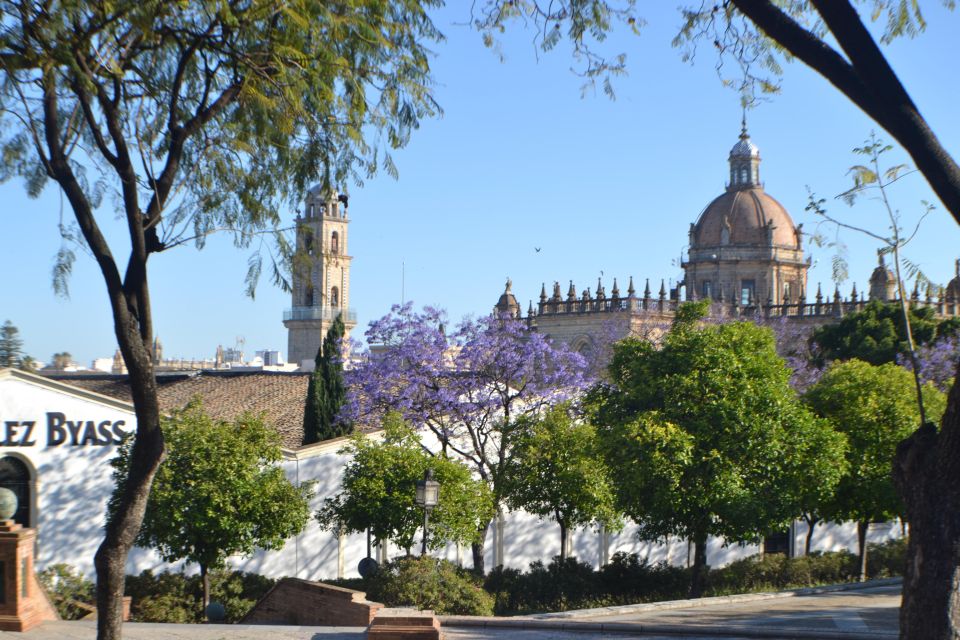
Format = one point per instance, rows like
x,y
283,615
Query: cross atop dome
x,y
744,162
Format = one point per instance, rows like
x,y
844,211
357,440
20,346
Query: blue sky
x,y
519,160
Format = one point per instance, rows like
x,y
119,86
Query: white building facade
x,y
57,440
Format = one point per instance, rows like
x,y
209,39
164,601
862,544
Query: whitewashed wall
x,y
73,483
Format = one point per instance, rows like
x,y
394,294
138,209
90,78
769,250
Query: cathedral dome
x,y
745,217
507,304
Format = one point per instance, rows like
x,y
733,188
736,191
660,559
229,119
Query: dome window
x,y
334,297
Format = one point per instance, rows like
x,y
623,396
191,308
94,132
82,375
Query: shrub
x,y
175,597
67,588
428,583
628,579
887,559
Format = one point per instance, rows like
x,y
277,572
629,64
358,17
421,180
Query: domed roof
x,y
953,287
745,217
745,148
881,273
508,302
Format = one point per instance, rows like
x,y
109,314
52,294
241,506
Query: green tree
x,y
173,120
708,437
875,335
828,36
378,491
220,491
326,392
557,471
11,346
874,406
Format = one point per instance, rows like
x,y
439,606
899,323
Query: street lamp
x,y
428,495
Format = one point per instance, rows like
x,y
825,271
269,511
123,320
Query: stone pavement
x,y
863,614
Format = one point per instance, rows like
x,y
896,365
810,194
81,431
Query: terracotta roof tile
x,y
279,396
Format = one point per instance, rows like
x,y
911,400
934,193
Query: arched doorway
x,y
15,474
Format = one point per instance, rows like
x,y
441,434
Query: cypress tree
x,y
10,345
326,392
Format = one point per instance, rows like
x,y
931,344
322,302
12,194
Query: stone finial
x,y
853,293
601,294
543,292
571,292
530,309
509,286
819,293
646,290
556,291
631,292
615,292
663,290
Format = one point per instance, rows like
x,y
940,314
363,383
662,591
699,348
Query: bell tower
x,y
320,286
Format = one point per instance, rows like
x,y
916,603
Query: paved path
x,y
868,614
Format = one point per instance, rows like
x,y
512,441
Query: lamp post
x,y
428,495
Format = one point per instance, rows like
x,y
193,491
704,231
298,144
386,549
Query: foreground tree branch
x,y
233,108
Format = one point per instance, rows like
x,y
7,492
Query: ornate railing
x,y
320,313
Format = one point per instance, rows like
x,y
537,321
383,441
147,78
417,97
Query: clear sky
x,y
519,160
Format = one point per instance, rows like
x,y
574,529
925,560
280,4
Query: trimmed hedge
x,y
175,597
628,579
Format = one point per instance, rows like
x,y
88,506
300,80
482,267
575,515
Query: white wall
x,y
74,482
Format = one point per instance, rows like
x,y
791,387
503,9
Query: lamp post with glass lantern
x,y
428,495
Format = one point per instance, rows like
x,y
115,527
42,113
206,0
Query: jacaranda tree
x,y
467,388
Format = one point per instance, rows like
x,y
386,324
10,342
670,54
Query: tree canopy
x,y
220,492
377,492
708,437
876,334
467,387
557,471
11,346
873,406
174,120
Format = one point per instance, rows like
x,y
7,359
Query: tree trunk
x,y
205,580
478,550
699,576
563,542
120,533
811,527
925,471
862,528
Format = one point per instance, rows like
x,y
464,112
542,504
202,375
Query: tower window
x,y
334,297
308,242
707,288
308,296
334,243
747,292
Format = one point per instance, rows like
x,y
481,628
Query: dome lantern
x,y
744,162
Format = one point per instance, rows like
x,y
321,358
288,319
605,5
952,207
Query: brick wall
x,y
302,602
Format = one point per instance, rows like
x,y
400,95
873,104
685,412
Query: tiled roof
x,y
279,396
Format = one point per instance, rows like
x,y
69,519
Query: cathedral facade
x,y
745,254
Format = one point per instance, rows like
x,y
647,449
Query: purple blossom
x,y
937,361
468,387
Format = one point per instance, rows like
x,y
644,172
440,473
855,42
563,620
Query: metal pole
x,y
426,521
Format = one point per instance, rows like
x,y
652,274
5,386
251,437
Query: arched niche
x,y
18,474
